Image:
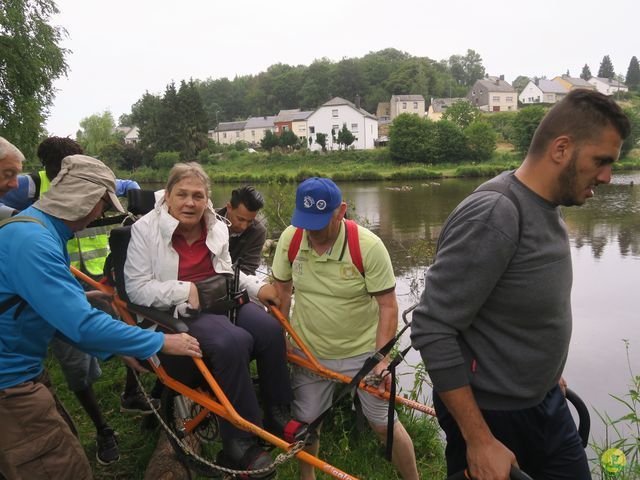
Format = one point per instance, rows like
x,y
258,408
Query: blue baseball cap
x,y
316,200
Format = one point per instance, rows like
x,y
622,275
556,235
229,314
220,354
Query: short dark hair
x,y
248,196
52,150
581,115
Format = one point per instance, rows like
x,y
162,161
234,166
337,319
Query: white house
x,y
228,133
542,91
256,128
336,113
607,85
493,94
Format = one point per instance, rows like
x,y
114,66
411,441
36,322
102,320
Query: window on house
x,y
335,128
224,135
415,105
285,128
334,113
312,129
237,134
510,99
495,98
354,127
404,105
253,133
302,129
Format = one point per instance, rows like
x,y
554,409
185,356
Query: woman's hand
x,y
269,295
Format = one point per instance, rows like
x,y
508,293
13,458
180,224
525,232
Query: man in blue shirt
x,y
40,299
80,370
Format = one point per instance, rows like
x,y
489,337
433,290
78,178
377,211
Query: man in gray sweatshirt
x,y
494,322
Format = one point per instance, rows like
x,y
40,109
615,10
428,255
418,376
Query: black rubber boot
x,y
277,420
246,454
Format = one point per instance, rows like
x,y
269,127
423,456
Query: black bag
x,y
216,295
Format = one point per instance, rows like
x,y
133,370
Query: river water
x,y
605,244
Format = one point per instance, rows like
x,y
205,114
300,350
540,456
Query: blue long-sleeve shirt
x,y
24,195
34,264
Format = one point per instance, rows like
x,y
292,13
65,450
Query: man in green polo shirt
x,y
341,314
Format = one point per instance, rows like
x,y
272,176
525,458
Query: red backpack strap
x,y
354,245
294,246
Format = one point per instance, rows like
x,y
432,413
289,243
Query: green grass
x,y
343,444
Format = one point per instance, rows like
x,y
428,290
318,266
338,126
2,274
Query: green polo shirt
x,y
334,311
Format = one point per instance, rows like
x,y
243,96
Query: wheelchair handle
x,y
516,474
584,419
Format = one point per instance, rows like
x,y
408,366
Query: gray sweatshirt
x,y
496,310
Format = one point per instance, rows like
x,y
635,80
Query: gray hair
x,y
184,170
8,149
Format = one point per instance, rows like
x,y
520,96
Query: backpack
x,y
353,241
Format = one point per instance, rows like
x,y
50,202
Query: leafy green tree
x,y
321,139
586,72
632,140
96,132
269,141
606,68
520,83
502,123
524,126
466,69
165,159
633,74
462,113
481,140
345,137
449,143
193,119
31,59
131,157
145,115
288,139
409,139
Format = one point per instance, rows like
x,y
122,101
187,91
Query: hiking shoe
x,y
137,403
278,421
246,454
107,447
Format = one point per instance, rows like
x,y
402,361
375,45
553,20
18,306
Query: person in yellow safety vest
x,y
89,248
88,251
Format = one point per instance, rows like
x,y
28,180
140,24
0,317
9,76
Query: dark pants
x,y
543,438
228,349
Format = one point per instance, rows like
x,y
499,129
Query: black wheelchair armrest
x,y
161,317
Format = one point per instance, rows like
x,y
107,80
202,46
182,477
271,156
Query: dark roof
x,y
441,104
260,122
335,101
494,84
407,98
229,126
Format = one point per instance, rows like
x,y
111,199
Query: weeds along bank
x,y
352,165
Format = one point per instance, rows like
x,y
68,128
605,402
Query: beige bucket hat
x,y
79,186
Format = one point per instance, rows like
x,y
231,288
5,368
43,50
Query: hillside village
x,y
489,94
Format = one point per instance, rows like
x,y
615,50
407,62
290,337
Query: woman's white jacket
x,y
151,269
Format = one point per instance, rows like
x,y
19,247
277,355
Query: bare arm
x,y
387,327
285,290
487,457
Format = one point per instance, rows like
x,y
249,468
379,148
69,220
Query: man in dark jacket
x,y
494,321
246,234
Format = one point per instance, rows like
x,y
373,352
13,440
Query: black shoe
x,y
107,447
137,403
246,454
278,421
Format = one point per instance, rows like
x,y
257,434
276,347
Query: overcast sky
x,y
121,48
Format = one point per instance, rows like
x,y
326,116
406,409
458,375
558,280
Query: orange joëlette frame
x,y
221,405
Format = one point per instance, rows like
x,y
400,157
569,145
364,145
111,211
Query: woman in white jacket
x,y
182,242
